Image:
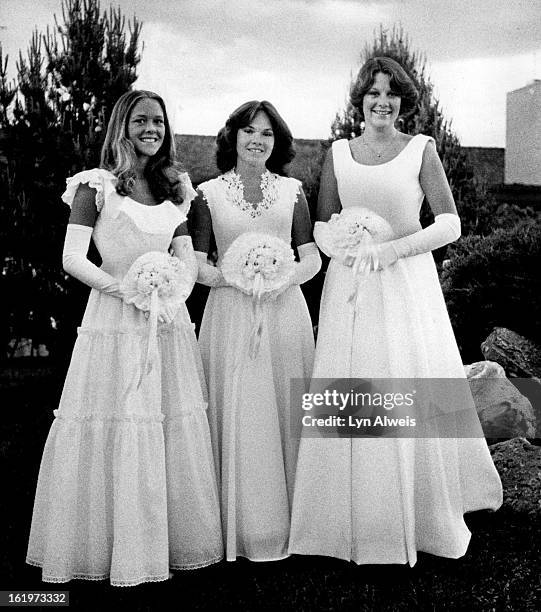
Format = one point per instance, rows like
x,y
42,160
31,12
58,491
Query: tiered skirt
x,y
127,486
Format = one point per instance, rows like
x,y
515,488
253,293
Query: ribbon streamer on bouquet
x,y
366,261
257,313
151,340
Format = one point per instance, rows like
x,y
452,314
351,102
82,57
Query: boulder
x,y
503,411
484,369
520,357
519,464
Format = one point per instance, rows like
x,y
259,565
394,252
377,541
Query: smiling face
x,y
381,105
146,127
255,141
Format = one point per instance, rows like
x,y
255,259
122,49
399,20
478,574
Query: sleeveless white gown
x,y
249,399
127,488
382,500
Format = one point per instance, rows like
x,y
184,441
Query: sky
x,y
206,57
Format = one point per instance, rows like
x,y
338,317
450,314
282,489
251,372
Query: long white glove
x,y
321,236
305,269
208,275
445,229
309,264
183,249
75,262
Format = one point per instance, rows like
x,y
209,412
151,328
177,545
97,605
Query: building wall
x,y
523,135
197,155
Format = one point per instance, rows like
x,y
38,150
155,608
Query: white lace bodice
x,y
125,229
232,215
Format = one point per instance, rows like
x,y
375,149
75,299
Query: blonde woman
x,y
126,487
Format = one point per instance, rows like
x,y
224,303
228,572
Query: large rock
x,y
484,369
503,411
519,464
520,357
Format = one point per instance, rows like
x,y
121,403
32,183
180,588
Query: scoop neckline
x,y
148,205
135,201
383,163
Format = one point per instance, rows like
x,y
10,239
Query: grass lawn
x,y
501,570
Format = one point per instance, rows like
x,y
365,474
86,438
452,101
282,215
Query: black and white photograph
x,y
270,300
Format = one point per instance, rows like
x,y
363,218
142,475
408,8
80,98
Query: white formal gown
x,y
382,500
249,398
127,486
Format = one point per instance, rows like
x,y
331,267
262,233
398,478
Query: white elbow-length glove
x,y
306,268
76,263
321,236
183,249
309,264
445,229
208,275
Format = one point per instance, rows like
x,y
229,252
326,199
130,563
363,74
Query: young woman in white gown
x,y
382,500
249,398
127,488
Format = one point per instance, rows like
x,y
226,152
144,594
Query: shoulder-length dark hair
x,y
400,82
119,157
226,141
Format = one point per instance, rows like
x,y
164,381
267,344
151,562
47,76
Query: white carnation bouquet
x,y
257,264
354,234
156,280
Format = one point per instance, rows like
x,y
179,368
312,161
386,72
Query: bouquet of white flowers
x,y
353,235
257,264
355,227
156,279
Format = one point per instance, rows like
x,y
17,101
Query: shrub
x,y
52,121
494,281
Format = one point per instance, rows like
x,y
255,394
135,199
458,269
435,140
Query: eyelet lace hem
x,y
164,329
195,410
98,577
195,566
122,583
128,418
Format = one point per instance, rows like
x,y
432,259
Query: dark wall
x,y
197,154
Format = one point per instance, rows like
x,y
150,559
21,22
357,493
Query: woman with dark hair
x,y
127,488
249,395
383,316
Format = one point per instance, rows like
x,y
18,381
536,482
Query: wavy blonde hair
x,y
119,157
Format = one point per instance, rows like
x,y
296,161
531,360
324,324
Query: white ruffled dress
x,y
127,487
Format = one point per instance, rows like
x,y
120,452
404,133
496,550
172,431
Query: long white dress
x,y
382,500
249,398
127,488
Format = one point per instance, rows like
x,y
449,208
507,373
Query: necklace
x,y
234,192
382,151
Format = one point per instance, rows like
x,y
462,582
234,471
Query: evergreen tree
x,y
475,205
52,124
